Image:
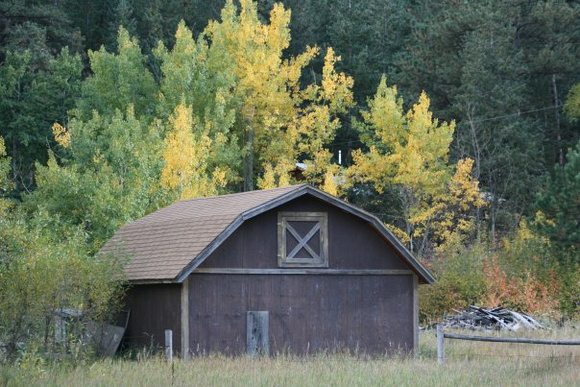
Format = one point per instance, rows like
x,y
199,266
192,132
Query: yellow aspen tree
x,y
452,211
409,154
277,120
61,135
187,158
318,123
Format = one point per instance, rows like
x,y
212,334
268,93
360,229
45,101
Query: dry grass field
x,y
467,363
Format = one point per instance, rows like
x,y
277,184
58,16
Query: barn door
x,y
257,334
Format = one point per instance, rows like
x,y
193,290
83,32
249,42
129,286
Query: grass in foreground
x,y
467,363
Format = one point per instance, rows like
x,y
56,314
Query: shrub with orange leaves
x,y
525,292
519,274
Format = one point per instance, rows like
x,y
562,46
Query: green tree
x,y
44,269
368,36
118,81
24,21
559,206
108,174
504,145
500,69
34,93
121,16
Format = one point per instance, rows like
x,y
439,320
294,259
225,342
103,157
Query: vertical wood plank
x,y
169,345
257,335
415,290
185,319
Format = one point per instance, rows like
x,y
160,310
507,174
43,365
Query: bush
x,y
459,281
521,273
46,271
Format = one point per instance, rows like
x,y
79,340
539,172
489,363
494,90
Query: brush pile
x,y
481,319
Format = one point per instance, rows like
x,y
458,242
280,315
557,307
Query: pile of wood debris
x,y
481,319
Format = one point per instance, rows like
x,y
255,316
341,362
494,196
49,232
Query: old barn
x,y
303,269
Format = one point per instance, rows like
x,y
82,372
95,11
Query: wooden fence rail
x,y
441,335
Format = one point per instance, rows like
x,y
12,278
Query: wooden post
x,y
415,315
257,335
185,319
440,344
169,345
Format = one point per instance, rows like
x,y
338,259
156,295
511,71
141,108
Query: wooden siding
x,y
308,314
154,308
352,242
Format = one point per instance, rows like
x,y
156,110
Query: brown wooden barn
x,y
323,274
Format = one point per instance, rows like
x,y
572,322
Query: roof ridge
x,y
180,219
154,216
287,187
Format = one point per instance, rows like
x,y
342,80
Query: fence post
x,y
440,344
169,345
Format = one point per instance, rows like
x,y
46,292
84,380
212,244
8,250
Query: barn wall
x,y
352,242
154,308
308,313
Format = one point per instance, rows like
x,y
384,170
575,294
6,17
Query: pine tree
x,y
559,207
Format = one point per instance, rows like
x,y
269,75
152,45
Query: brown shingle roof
x,y
166,245
162,243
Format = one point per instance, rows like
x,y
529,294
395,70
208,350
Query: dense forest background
x,y
456,123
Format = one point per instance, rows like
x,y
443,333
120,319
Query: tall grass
x,y
467,363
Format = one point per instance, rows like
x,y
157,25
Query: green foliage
x,y
118,81
44,268
505,150
108,175
122,15
500,69
366,34
4,168
572,106
460,281
559,206
521,273
569,294
34,93
24,21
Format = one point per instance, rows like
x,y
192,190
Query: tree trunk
x,y
557,114
249,162
477,156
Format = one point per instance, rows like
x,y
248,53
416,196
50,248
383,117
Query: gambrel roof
x,y
168,244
